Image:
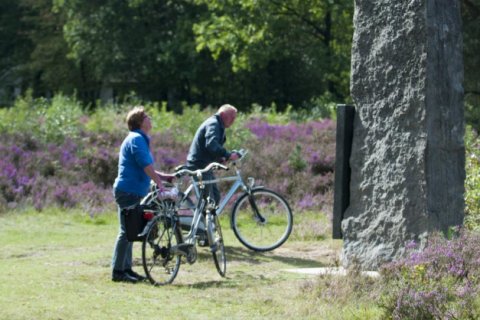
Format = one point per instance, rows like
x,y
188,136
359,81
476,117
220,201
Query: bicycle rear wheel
x,y
160,264
216,246
262,221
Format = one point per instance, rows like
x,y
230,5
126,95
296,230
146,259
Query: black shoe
x,y
121,276
133,274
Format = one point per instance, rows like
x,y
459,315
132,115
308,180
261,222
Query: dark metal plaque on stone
x,y
344,136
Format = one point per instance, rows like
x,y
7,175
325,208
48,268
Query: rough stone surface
x,y
408,155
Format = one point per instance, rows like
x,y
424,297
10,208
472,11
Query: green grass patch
x,y
56,265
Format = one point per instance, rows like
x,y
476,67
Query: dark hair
x,y
135,118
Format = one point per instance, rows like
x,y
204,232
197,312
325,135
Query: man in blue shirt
x,y
135,169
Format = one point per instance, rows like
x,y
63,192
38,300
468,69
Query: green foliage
x,y
162,63
270,114
239,136
472,113
188,122
161,117
313,36
202,51
472,181
296,160
107,119
183,125
111,119
34,52
471,32
15,46
317,108
49,121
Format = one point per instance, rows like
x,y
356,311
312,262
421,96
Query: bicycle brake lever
x,y
221,166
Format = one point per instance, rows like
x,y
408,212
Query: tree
x,y
256,51
145,46
311,39
471,39
14,47
34,51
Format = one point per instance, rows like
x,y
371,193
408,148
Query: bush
x,y
75,165
440,282
108,119
472,114
281,163
472,181
47,120
43,174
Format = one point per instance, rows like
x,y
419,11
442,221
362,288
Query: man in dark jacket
x,y
207,145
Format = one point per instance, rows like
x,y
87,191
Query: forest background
x,y
282,53
70,69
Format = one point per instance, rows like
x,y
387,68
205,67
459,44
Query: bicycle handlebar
x,y
198,173
242,153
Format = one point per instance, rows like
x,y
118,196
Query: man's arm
x,y
213,141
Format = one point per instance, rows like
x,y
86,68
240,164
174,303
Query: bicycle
x,y
261,219
164,244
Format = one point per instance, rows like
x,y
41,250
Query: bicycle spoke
x,y
262,221
160,265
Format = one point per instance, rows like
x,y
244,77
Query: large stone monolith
x,y
407,157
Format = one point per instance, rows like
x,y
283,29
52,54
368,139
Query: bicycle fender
x,y
147,226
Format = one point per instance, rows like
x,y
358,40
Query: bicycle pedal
x,y
203,243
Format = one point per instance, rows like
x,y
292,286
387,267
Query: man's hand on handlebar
x,y
234,156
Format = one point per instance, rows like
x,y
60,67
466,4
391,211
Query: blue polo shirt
x,y
134,156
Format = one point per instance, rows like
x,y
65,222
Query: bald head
x,y
227,113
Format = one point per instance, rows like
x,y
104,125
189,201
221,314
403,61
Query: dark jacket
x,y
207,145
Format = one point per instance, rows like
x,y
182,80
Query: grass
x,y
56,265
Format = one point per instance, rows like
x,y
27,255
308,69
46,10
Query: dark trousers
x,y
122,253
212,189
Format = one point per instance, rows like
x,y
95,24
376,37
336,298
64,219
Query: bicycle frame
x,y
191,236
181,236
238,183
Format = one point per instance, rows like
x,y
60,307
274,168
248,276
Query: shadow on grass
x,y
245,255
208,284
229,282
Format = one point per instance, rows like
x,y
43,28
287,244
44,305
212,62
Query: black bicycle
x,y
164,244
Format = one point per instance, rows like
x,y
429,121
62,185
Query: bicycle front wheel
x,y
262,221
217,248
160,264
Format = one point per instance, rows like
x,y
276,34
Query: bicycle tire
x,y
159,263
218,247
249,228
